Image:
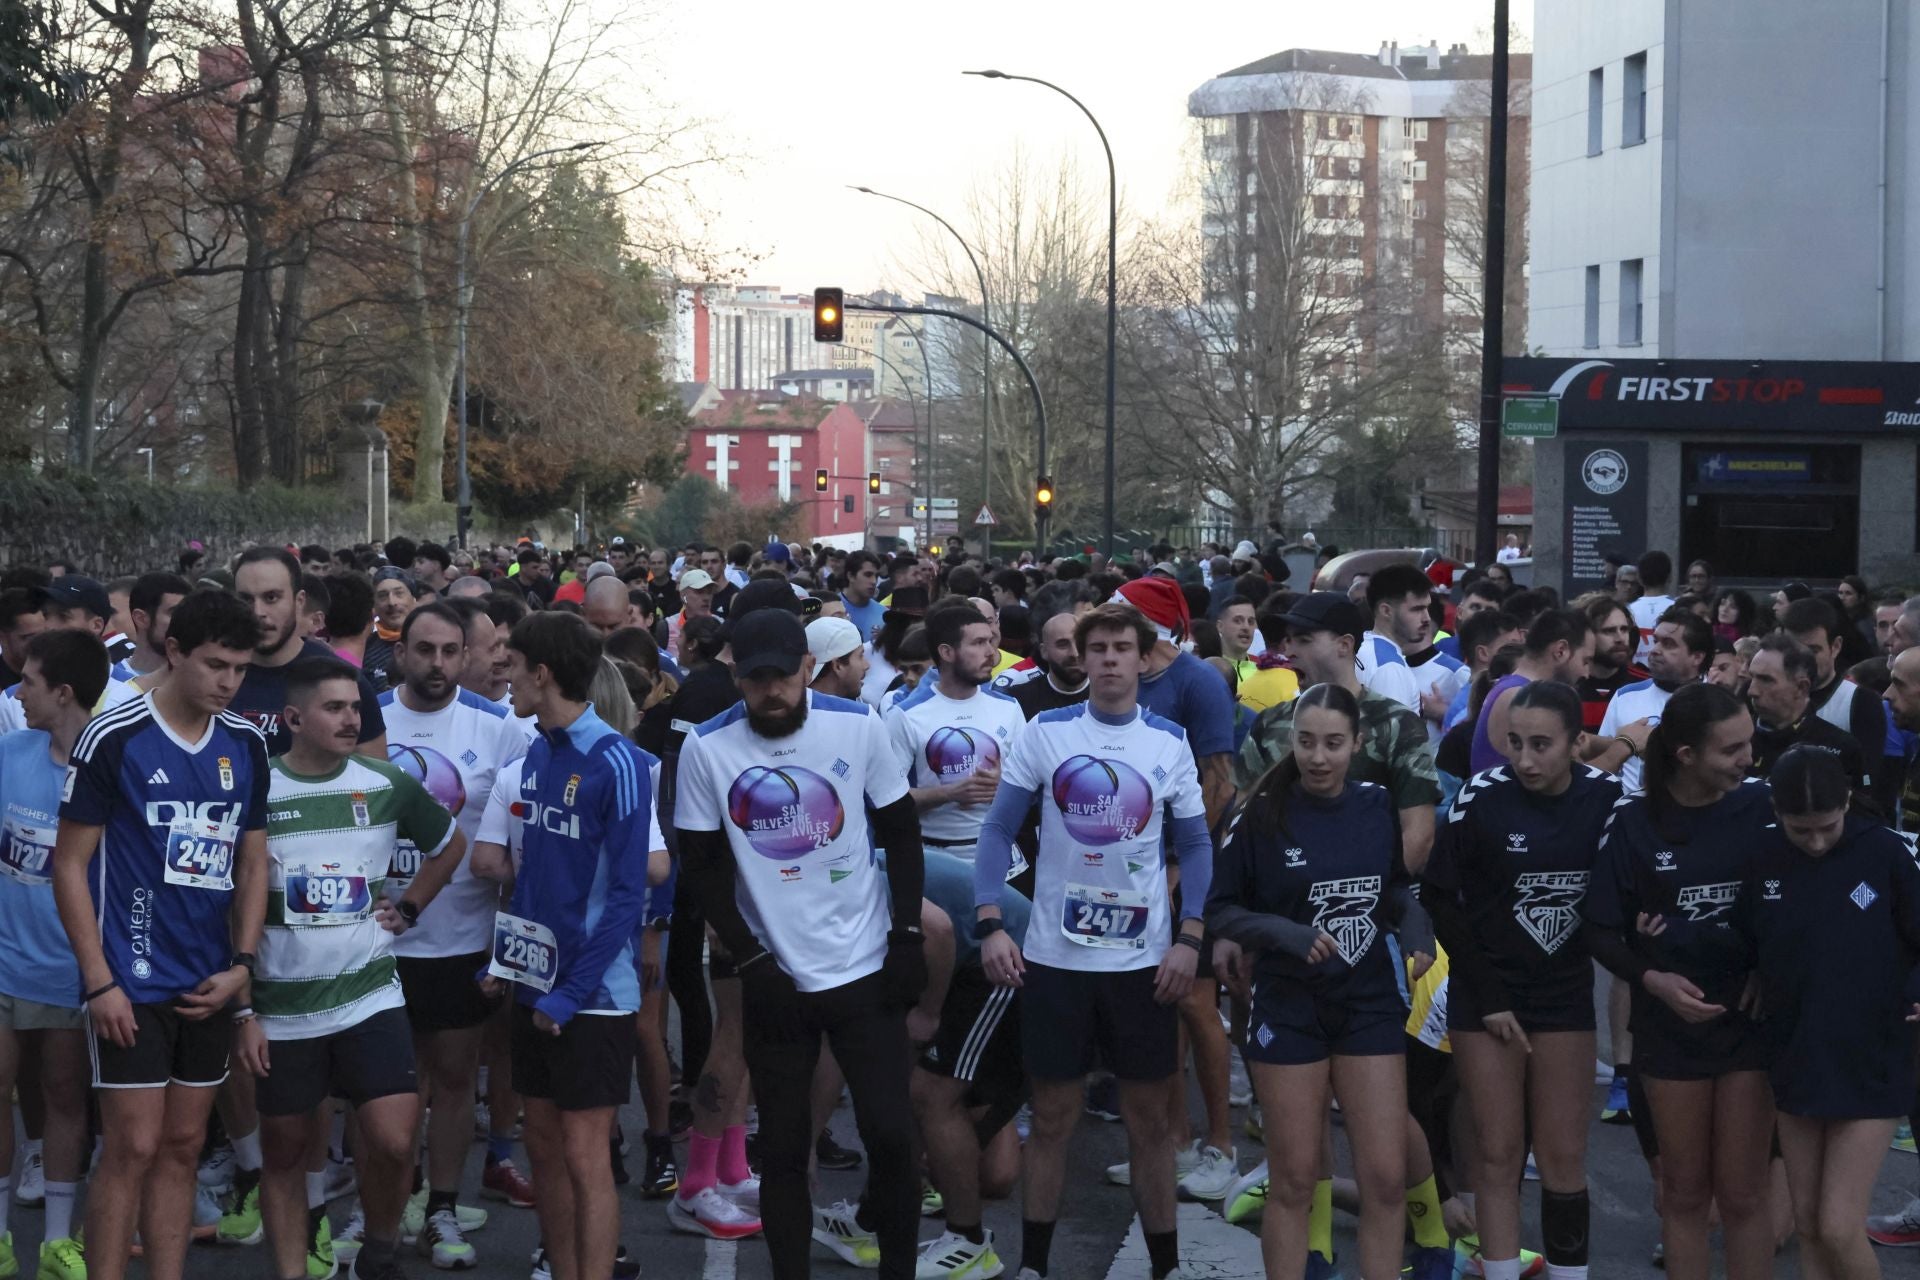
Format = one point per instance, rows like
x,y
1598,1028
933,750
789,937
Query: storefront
x,y
1768,470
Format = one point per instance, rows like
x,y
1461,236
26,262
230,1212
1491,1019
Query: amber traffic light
x,y
1043,491
873,482
829,315
820,480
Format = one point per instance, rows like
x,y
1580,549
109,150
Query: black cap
x,y
766,594
1326,611
768,640
70,591
907,602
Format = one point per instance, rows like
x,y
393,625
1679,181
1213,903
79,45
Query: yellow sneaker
x,y
62,1260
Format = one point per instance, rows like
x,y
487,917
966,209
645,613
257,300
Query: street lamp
x,y
463,305
986,359
149,453
1113,267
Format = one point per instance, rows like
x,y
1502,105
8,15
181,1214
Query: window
x,y
1630,302
1414,170
1333,126
1596,108
1419,246
1413,130
1633,101
1592,338
1353,167
1419,210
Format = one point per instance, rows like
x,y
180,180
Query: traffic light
x,y
829,319
820,480
933,549
873,482
846,504
1043,493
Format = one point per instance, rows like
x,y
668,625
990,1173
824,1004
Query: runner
x,y
1832,911
159,870
150,604
839,658
331,1012
1509,871
1841,702
452,741
1107,971
811,939
1681,647
1559,646
1311,877
1650,601
566,940
40,1017
1399,599
267,579
1611,670
864,610
72,603
1665,893
1779,691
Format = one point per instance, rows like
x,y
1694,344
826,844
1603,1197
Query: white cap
x,y
695,580
830,638
1246,551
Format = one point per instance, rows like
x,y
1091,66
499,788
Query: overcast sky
x,y
815,97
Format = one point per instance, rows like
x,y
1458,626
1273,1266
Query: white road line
x,y
722,1259
1208,1247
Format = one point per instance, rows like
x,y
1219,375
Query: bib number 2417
x,y
1097,917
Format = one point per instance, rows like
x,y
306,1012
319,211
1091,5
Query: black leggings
x,y
687,982
1431,1086
869,1040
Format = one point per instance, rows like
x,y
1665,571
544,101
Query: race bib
x,y
1019,865
405,866
200,853
26,852
524,952
322,896
1097,917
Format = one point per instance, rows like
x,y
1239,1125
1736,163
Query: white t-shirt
x,y
880,674
794,812
1642,700
1646,613
1383,668
1104,791
941,740
456,752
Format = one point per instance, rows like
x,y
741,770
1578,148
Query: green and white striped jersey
x,y
325,963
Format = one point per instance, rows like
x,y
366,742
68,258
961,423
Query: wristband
x,y
1186,940
243,1015
741,966
91,996
1632,751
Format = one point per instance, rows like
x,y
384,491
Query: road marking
x,y
722,1259
1208,1247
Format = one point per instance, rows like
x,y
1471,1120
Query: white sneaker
x,y
745,1195
446,1248
708,1213
954,1257
216,1171
1185,1160
32,1189
838,1229
1896,1230
347,1240
1210,1179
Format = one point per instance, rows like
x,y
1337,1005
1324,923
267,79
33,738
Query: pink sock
x,y
733,1155
703,1155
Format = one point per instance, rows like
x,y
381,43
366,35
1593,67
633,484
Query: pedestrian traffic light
x,y
846,504
820,480
829,320
873,482
1043,493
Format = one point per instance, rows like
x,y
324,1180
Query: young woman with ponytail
x,y
1660,913
1309,881
1832,914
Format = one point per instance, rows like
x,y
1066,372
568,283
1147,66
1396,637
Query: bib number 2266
x,y
524,951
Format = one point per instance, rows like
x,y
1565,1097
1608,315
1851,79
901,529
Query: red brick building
x,y
765,447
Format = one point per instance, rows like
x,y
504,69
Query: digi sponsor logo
x,y
786,812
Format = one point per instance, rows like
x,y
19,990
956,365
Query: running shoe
x,y
322,1262
1430,1264
932,1203
1659,1259
9,1261
347,1241
413,1220
832,1155
1248,1194
1185,1160
217,1170
445,1245
62,1260
1466,1259
31,1190
745,1194
624,1268
503,1181
708,1213
1896,1230
838,1229
240,1224
1902,1140
1211,1175
954,1257
1319,1267
1103,1100
390,1270
1616,1110
662,1177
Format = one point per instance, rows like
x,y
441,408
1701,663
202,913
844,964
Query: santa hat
x,y
1163,604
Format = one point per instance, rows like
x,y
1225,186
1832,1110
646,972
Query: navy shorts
x,y
1073,1020
1291,1026
1536,1012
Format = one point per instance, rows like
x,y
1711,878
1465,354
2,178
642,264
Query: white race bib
x,y
524,951
1097,917
322,895
26,852
200,853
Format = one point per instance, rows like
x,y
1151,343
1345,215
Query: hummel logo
x,y
159,778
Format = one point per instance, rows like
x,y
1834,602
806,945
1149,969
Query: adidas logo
x,y
159,778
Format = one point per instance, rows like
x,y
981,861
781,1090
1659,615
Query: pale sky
x,y
816,97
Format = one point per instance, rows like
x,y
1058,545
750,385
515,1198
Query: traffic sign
x,y
949,527
985,516
946,504
1530,417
